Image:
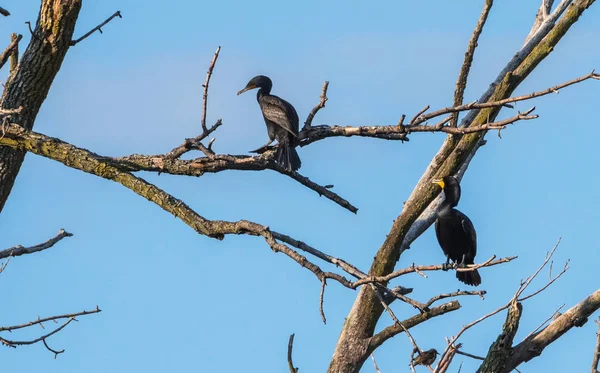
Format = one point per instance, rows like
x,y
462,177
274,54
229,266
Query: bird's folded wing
x,y
280,112
470,231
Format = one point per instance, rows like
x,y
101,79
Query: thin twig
x,y
529,279
475,105
321,296
51,318
515,298
397,322
461,83
322,100
289,355
545,321
418,115
470,355
596,350
375,364
480,293
190,144
205,85
97,28
56,353
3,266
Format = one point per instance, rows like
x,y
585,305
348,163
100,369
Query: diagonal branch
x,y
389,332
14,44
533,346
461,83
322,100
20,250
97,28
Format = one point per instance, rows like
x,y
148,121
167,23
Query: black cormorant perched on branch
x,y
281,119
455,231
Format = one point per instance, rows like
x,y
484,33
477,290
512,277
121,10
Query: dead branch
x,y
321,296
43,338
512,302
390,331
189,144
10,49
534,345
323,99
412,269
476,105
20,250
480,293
205,86
46,319
97,28
289,355
463,75
596,349
541,16
401,132
375,364
552,317
469,355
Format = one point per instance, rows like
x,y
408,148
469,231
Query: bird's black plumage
x,y
281,120
455,231
425,358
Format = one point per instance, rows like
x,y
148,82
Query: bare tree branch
x,y
375,364
389,332
205,86
533,346
289,355
323,99
596,350
10,49
20,250
463,75
438,267
97,28
323,284
43,338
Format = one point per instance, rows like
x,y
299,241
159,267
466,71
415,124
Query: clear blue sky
x,y
176,301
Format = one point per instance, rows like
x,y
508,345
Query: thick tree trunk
x,y
29,84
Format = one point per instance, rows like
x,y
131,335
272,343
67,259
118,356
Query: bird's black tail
x,y
287,157
470,278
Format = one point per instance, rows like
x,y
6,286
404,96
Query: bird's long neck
x,y
445,208
451,198
263,91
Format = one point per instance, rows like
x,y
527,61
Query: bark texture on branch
x,y
28,86
534,345
366,311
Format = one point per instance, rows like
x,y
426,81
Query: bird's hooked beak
x,y
248,87
439,182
